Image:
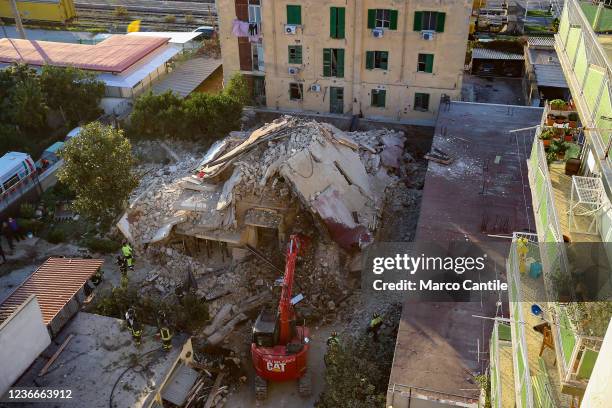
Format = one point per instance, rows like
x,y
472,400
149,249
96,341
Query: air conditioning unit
x,y
315,88
378,32
290,29
428,35
293,70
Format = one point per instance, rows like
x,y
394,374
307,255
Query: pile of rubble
x,y
260,179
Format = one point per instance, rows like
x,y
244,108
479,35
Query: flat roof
x,y
547,41
188,76
54,283
98,359
176,37
547,67
485,190
115,54
10,159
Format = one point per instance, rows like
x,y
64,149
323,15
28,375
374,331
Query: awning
x,y
550,75
184,79
485,53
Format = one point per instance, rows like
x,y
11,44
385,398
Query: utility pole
x,y
17,17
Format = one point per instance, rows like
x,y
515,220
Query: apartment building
x,y
390,59
565,361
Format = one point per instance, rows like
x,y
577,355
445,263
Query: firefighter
x,y
123,268
134,325
374,325
164,331
333,344
128,254
97,277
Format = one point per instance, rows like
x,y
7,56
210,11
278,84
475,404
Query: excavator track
x,y
305,385
261,388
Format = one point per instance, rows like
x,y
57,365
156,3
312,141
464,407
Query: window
x,y
296,91
11,182
257,57
333,62
295,54
425,63
421,102
429,20
377,59
378,98
336,22
382,18
294,14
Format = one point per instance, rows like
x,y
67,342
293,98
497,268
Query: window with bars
x,y
295,54
382,18
378,98
336,22
421,102
296,91
425,63
333,62
429,20
377,59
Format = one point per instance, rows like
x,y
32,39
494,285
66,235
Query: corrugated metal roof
x,y
54,283
541,41
187,76
114,54
550,75
485,53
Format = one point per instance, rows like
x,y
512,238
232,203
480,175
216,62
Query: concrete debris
x,y
262,179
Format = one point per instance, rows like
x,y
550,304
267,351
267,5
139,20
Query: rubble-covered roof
x,y
339,177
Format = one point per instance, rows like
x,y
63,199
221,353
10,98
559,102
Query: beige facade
x,y
402,40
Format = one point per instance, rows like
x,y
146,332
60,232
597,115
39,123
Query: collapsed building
x,y
251,187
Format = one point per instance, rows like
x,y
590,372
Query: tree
x,y
212,116
158,116
238,88
97,168
76,94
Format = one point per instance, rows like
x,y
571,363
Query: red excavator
x,y
280,347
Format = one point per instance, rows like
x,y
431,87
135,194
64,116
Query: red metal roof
x,y
115,54
54,283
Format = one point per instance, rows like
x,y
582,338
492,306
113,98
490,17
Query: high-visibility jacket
x,y
333,340
127,251
375,322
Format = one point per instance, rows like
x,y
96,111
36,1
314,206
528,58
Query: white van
x,y
16,170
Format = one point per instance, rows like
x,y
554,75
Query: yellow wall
x,y
401,80
41,10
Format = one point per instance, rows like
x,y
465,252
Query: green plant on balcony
x,y
562,283
559,146
558,104
569,135
561,119
590,318
573,119
546,136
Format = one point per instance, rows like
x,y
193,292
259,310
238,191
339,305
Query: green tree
x,y
212,116
74,93
156,116
97,168
238,88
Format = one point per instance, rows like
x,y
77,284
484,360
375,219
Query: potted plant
x,y
559,147
551,155
573,119
560,119
569,135
559,132
550,119
558,104
546,136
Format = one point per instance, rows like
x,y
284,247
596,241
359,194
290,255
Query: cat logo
x,y
276,366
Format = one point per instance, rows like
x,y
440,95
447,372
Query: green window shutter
x,y
418,20
392,19
340,62
429,63
384,59
369,59
326,62
371,18
298,54
341,13
382,95
294,14
333,22
440,19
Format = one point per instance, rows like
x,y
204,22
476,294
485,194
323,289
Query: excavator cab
x,y
264,329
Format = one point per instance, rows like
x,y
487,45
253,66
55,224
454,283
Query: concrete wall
x,y
401,80
23,336
598,393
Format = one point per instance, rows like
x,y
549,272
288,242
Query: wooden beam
x,y
55,356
